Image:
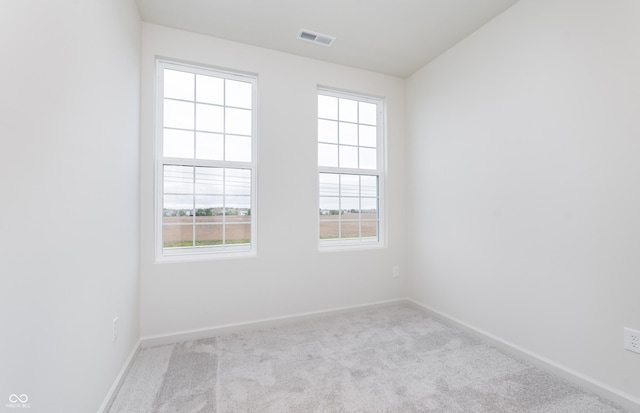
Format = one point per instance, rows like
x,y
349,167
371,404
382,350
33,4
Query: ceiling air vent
x,y
314,37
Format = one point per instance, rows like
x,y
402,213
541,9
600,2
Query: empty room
x,y
337,206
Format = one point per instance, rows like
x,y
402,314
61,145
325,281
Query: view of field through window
x,y
349,178
207,169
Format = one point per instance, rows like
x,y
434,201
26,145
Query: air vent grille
x,y
315,37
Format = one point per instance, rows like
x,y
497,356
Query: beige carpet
x,y
391,359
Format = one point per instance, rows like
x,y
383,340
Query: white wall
x,y
69,133
523,152
289,276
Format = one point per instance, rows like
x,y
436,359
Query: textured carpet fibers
x,y
390,359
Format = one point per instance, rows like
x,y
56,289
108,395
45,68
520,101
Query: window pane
x,y
329,184
209,89
367,136
350,185
327,107
367,158
238,148
369,186
330,206
176,209
327,131
208,235
327,155
237,204
329,229
369,208
367,113
348,134
175,236
178,114
209,146
350,208
369,229
238,233
178,85
209,208
209,118
348,110
177,143
209,180
238,94
237,182
178,179
348,157
350,229
238,121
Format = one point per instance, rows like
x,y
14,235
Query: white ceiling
x,y
395,37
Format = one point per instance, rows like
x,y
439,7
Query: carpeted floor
x,y
391,359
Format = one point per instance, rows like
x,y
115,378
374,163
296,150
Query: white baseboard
x,y
113,391
625,400
152,341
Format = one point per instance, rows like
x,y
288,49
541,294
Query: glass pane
x,y
178,114
178,179
369,186
238,94
177,143
237,233
367,113
350,208
350,229
208,234
209,208
327,107
350,185
238,121
238,148
367,158
329,229
178,85
209,180
329,184
237,182
209,146
348,157
237,205
367,136
327,155
330,207
174,236
348,110
209,89
327,131
209,118
176,209
348,133
369,229
369,208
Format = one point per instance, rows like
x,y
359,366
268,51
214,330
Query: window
x,y
350,165
205,156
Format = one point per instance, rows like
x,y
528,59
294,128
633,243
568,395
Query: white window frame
x,y
209,252
380,172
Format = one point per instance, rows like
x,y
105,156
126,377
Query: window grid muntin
x,y
377,172
192,251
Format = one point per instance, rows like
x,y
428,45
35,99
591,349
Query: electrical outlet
x,y
115,329
396,271
632,340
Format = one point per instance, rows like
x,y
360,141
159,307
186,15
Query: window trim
x,y
213,252
380,172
